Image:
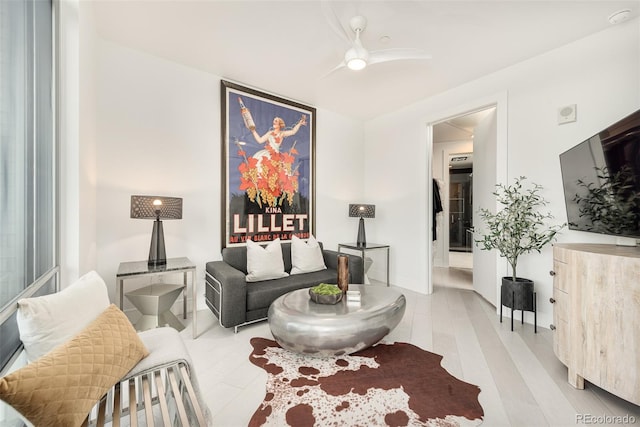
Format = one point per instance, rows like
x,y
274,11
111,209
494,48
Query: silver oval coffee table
x,y
300,325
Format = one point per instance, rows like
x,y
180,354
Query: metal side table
x,y
130,270
363,249
154,303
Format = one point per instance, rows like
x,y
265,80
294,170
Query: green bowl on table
x,y
325,293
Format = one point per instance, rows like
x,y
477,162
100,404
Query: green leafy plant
x,y
519,227
326,289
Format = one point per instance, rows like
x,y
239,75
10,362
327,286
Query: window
x,y
28,262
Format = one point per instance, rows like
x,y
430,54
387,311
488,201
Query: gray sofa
x,y
236,302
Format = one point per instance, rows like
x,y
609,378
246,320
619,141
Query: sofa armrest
x,y
355,264
232,284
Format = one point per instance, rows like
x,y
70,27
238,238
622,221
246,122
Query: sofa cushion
x,y
47,321
264,262
306,257
236,256
286,256
262,294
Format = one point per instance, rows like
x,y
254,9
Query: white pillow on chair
x,y
306,257
264,263
48,321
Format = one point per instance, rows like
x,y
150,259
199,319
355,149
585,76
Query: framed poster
x,y
268,166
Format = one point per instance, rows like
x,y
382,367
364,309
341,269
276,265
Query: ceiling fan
x,y
358,57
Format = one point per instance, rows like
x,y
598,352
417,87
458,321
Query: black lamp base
x,y
157,253
362,239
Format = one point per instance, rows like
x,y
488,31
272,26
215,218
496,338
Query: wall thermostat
x,y
567,114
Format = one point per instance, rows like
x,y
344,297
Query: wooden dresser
x,y
596,316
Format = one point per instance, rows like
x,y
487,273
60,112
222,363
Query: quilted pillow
x,y
264,263
46,322
306,257
61,387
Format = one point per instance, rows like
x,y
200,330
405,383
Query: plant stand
x,y
519,295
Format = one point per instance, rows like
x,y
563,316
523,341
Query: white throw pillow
x,y
264,263
50,320
306,257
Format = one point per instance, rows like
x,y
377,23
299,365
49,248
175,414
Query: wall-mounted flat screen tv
x,y
601,180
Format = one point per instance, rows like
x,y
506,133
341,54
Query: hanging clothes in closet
x,y
437,205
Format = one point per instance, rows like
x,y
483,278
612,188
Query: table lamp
x,y
363,211
156,208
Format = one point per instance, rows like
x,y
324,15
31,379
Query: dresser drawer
x,y
561,340
560,275
561,333
560,305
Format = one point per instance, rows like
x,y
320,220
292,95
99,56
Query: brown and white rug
x,y
389,384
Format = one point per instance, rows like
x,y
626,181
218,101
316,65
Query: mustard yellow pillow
x,y
61,387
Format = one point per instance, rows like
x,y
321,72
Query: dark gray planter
x,y
518,295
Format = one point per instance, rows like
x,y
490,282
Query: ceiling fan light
x,y
356,64
356,59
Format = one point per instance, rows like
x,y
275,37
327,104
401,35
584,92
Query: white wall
x,y
601,74
77,141
87,171
68,140
339,176
158,132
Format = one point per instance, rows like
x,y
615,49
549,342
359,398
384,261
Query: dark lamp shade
x,y
362,211
143,207
156,208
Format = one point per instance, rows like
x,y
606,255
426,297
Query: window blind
x,y
28,260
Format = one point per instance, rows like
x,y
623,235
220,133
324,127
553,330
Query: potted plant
x,y
325,293
518,228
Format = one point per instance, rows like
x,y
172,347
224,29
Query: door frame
x,y
498,100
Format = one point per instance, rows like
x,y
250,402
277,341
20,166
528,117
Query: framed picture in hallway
x,y
268,166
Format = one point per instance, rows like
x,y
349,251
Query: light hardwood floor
x,y
522,382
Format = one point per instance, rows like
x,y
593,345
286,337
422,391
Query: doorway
x,y
460,219
460,202
453,170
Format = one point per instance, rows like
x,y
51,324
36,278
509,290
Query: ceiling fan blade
x,y
386,55
336,68
333,21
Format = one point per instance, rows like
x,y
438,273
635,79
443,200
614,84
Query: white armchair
x,y
82,355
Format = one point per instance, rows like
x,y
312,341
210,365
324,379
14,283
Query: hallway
x,y
453,277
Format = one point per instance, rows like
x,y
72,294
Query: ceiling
x,y
288,48
460,128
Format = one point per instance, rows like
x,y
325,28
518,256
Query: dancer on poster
x,y
269,177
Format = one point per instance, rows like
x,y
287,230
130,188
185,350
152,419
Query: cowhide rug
x,y
388,384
